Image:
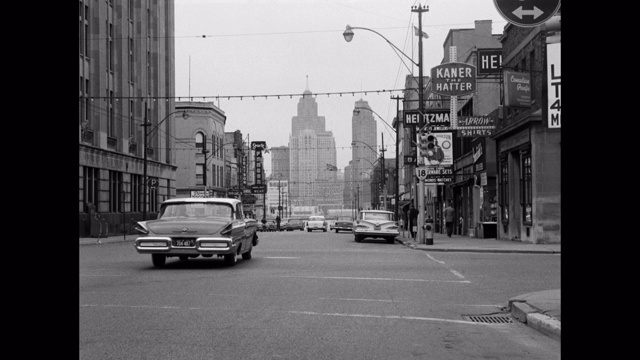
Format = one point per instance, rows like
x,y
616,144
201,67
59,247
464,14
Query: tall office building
x,y
312,157
363,149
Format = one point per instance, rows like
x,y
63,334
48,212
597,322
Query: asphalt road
x,y
310,296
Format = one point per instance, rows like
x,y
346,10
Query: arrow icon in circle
x,y
519,12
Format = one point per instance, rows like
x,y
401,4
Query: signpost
x,y
527,13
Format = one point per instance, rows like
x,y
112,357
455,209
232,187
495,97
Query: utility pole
x,y
398,117
420,193
144,176
384,189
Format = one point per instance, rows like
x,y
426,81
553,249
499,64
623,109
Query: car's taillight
x,y
141,228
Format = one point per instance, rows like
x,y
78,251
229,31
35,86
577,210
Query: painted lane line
x,y
343,299
432,258
280,257
442,262
375,279
457,274
385,317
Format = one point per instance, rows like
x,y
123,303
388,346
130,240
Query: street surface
x,y
310,296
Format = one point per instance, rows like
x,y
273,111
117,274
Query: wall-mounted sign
x,y
489,61
553,85
437,119
474,126
453,79
258,145
517,89
201,193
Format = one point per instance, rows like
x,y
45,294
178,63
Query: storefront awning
x,y
465,182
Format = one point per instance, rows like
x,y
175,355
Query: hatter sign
x,y
453,79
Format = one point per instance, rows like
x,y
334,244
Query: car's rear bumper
x,y
381,234
163,245
343,228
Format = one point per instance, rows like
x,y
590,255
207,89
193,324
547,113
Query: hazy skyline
x,y
228,49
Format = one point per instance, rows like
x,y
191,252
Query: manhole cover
x,y
490,319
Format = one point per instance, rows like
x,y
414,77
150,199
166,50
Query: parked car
x,y
375,224
284,224
271,225
189,227
295,224
331,221
316,222
344,223
260,226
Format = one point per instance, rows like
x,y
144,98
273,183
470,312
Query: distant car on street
x,y
189,227
316,223
376,224
295,224
344,223
284,224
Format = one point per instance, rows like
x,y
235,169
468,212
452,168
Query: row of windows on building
x,y
117,191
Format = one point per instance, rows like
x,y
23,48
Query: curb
x,y
532,317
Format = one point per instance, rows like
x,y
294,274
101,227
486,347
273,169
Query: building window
x,y
136,193
199,141
199,173
115,191
91,180
504,191
525,187
112,120
153,198
132,122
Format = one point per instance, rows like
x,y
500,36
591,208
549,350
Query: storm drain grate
x,y
492,319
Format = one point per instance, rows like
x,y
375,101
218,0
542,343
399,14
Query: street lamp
x,y
348,36
147,123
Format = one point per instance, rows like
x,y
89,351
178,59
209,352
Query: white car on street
x,y
376,224
316,223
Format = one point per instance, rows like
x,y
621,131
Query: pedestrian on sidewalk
x,y
448,218
278,222
413,221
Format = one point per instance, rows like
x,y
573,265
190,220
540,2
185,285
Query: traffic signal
x,y
427,145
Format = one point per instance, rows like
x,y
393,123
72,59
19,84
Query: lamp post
x,y
146,123
348,36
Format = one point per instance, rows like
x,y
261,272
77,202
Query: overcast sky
x,y
233,48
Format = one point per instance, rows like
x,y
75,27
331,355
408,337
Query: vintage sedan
x,y
295,224
189,227
316,222
376,224
343,223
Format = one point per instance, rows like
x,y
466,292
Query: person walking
x,y
413,221
278,222
448,218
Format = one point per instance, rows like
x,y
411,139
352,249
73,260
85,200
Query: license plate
x,y
182,242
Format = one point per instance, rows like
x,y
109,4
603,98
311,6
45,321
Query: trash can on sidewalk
x,y
428,231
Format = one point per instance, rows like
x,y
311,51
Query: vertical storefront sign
x,y
553,85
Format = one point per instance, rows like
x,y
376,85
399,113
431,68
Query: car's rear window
x,y
188,210
375,216
316,218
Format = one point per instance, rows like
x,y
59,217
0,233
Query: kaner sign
x,y
453,79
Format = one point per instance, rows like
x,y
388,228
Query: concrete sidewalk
x,y
539,310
